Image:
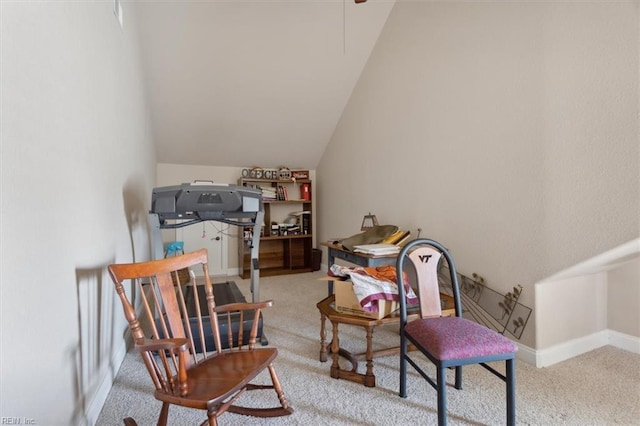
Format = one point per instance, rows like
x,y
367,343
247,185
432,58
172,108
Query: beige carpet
x,y
598,388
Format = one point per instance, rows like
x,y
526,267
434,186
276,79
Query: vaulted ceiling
x,y
243,83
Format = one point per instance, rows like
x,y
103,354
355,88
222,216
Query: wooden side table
x,y
327,311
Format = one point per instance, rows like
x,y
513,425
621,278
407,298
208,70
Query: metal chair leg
x,y
442,396
403,367
511,391
458,382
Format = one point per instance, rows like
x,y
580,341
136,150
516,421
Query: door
x,y
211,235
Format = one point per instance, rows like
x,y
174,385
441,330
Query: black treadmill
x,y
193,203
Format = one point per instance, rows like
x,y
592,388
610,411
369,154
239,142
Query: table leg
x,y
331,258
369,377
323,338
335,349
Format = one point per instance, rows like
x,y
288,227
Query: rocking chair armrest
x,y
174,345
180,346
243,306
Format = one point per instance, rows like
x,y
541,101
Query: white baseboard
x,y
624,341
102,392
572,348
526,354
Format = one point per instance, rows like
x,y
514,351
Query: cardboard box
x,y
347,302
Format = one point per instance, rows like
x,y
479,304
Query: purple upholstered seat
x,y
449,338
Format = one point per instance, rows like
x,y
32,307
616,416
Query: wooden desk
x,y
327,311
336,251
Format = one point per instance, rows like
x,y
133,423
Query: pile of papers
x,y
377,249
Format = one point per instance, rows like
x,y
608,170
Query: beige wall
x,y
508,131
78,165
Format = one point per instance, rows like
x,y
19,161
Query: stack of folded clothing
x,y
373,284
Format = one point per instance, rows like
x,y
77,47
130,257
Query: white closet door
x,y
209,235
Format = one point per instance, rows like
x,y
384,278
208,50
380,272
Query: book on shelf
x,y
283,194
268,192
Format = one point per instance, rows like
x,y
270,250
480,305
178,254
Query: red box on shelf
x,y
305,191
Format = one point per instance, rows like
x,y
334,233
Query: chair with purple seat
x,y
448,342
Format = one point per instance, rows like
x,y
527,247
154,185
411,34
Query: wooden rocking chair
x,y
172,326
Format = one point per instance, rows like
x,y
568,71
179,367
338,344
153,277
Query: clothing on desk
x,y
373,284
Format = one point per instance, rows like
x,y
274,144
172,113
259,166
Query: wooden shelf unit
x,y
280,253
